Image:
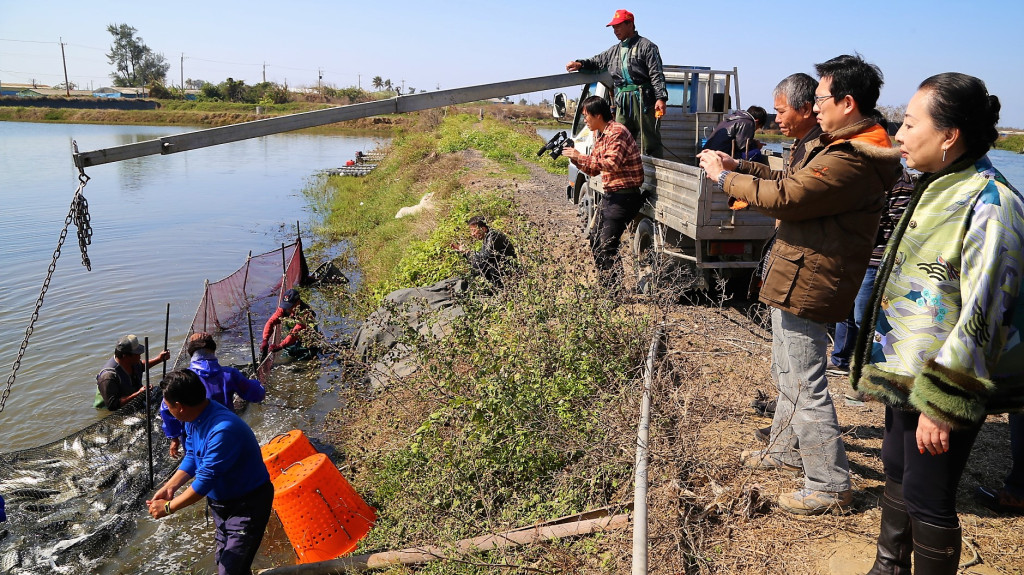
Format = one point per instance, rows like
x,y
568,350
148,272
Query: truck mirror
x,y
558,107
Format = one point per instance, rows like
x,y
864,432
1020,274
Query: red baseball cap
x,y
620,17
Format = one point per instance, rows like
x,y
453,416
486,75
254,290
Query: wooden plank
x,y
268,126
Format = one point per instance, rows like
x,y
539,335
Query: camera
x,y
555,145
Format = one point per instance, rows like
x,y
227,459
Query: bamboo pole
x,y
432,553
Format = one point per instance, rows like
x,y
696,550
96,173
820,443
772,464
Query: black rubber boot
x,y
895,544
936,549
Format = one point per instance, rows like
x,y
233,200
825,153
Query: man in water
x,y
222,454
639,77
294,316
120,380
222,385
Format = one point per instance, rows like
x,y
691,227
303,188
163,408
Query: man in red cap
x,y
639,77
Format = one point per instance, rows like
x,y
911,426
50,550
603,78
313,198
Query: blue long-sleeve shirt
x,y
221,383
222,454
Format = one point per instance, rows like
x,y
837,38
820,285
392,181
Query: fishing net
x,y
75,501
228,304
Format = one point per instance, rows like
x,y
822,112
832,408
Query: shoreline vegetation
x,y
215,114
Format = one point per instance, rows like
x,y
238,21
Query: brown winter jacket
x,y
828,209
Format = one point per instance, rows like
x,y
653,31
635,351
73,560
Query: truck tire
x,y
587,210
647,258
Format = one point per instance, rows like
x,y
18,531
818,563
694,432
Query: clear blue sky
x,y
451,44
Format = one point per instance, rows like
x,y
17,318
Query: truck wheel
x,y
647,258
587,210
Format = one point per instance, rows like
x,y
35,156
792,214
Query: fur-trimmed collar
x,y
865,136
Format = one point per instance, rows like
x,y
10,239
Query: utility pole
x,y
67,86
264,72
181,68
359,81
319,81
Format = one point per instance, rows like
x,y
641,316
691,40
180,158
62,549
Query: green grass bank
x,y
519,413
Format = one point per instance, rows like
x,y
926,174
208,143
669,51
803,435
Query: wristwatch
x,y
721,180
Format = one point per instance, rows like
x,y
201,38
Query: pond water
x,y
162,225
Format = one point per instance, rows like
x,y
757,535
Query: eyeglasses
x,y
819,99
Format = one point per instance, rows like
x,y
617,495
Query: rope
x,y
79,215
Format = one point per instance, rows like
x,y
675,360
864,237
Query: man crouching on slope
x,y
828,209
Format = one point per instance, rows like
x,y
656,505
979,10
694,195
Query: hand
x,y
175,444
276,348
711,163
659,108
573,66
932,436
156,507
164,356
166,492
263,347
571,152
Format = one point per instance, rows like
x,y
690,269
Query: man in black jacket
x,y
492,260
735,134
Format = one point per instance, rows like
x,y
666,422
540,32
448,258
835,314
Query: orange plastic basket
x,y
323,517
284,450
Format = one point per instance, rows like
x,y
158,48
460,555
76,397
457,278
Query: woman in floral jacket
x,y
948,316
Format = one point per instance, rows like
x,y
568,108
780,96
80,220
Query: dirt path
x,y
702,501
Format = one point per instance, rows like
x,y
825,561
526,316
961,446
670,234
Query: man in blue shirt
x,y
222,454
222,385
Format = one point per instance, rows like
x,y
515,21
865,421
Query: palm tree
x,y
378,83
387,84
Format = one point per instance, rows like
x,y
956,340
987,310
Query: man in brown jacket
x,y
828,210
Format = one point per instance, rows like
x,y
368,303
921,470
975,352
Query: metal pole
x,y
640,489
167,327
149,419
284,271
252,346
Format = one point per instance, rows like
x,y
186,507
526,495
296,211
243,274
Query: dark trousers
x,y
240,526
846,332
929,481
617,210
1015,480
643,129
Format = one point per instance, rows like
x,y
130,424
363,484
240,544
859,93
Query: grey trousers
x,y
805,430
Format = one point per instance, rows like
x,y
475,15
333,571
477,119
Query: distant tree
x,y
210,91
266,93
159,91
522,101
60,86
545,103
234,90
191,84
412,90
135,64
387,84
377,82
894,114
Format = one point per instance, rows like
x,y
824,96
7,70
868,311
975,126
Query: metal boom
x,y
396,105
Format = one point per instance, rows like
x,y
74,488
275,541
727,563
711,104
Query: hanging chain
x,y
79,214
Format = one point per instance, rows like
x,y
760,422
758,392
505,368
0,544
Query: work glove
x,y
263,347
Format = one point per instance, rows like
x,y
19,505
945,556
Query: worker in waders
x,y
120,380
294,317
